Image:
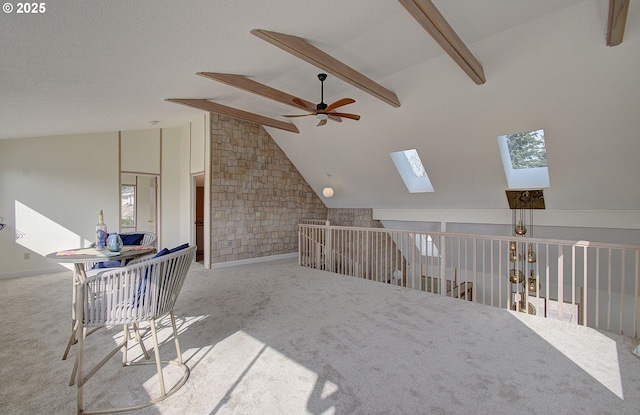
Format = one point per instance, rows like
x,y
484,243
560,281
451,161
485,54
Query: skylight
x,y
527,150
524,158
412,171
415,162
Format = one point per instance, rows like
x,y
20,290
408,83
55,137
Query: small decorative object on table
x,y
101,233
114,242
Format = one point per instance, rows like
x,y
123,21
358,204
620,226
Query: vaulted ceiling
x,y
89,66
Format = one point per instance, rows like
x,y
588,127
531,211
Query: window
x,y
524,158
412,171
127,206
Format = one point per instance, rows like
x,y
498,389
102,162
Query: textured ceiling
x,y
90,66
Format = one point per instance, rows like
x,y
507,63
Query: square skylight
x,y
412,171
524,158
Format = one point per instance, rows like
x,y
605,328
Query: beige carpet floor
x,y
276,338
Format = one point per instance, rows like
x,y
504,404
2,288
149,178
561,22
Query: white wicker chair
x,y
142,292
149,238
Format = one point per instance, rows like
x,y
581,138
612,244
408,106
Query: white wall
x,y
174,187
140,151
51,189
199,129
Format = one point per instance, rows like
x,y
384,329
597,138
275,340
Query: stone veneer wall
x,y
360,217
257,194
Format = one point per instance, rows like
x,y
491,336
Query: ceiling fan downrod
x,y
321,106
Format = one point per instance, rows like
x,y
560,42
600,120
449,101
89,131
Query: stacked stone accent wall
x,y
257,195
360,217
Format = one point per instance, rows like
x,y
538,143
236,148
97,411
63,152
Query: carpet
x,y
277,338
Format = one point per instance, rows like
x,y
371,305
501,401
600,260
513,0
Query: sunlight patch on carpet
x,y
598,358
253,373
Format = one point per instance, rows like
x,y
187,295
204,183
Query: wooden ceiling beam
x,y
254,87
616,22
309,53
209,106
430,18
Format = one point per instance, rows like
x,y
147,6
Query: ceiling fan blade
x,y
343,115
336,119
340,103
303,104
300,115
322,122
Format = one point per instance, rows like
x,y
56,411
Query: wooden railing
x,y
314,222
588,283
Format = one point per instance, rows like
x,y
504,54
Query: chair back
x,y
148,238
138,292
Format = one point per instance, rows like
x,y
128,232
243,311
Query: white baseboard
x,y
253,260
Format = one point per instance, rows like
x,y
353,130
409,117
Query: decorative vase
x,y
101,233
114,242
